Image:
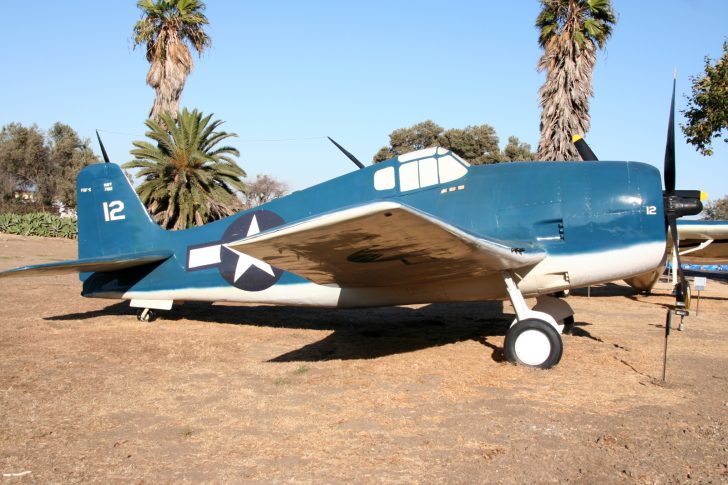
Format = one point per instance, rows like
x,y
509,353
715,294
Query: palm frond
x,y
186,178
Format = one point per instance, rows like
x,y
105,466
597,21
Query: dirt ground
x,y
420,394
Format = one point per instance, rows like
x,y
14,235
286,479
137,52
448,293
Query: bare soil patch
x,y
416,394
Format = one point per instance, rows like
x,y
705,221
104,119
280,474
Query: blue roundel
x,y
241,270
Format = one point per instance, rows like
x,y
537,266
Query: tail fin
x,y
111,218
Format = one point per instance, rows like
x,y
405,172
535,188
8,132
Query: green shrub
x,y
39,224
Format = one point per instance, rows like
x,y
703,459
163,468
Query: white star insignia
x,y
245,261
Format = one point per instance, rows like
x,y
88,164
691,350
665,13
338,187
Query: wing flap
x,y
382,244
104,263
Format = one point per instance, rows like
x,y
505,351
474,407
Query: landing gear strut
x,y
534,338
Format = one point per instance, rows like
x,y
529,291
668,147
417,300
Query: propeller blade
x,y
669,169
677,203
103,150
345,152
585,152
681,290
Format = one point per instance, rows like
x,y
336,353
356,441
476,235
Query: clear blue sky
x,y
295,72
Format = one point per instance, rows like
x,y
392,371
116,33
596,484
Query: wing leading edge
x,y
383,244
701,229
703,242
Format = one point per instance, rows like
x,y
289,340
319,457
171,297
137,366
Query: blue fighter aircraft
x,y
419,228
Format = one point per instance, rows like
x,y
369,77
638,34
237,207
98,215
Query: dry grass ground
x,y
255,394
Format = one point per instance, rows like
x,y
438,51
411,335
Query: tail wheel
x,y
146,315
533,343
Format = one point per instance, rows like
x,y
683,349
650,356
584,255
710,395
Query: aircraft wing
x,y
702,230
703,242
104,263
383,244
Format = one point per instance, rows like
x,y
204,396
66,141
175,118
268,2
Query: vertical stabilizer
x,y
111,218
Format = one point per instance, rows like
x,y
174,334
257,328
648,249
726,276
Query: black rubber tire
x,y
556,346
149,317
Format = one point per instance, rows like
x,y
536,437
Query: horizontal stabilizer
x,y
383,244
104,263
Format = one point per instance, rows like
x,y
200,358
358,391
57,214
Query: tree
x,y
264,189
24,160
166,27
517,151
404,140
716,210
707,113
570,33
477,144
45,164
187,180
68,155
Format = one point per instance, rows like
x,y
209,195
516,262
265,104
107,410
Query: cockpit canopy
x,y
419,169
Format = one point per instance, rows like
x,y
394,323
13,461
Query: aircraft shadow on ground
x,y
605,290
611,290
356,334
116,309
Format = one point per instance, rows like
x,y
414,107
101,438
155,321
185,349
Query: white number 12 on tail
x,y
113,211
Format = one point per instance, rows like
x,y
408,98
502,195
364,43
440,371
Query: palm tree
x,y
570,32
188,181
166,27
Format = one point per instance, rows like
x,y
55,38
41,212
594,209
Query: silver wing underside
x,y
383,244
703,242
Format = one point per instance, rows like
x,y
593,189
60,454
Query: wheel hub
x,y
532,347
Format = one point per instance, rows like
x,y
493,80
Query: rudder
x,y
111,218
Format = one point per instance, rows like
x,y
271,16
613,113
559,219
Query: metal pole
x,y
668,323
697,305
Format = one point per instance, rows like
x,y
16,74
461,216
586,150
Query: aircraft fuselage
x,y
597,222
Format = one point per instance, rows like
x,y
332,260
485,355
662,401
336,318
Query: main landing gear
x,y
533,343
534,338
